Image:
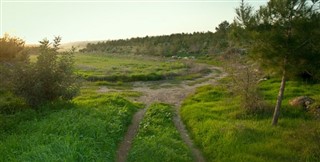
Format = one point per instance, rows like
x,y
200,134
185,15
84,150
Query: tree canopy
x,y
197,43
50,78
10,48
283,37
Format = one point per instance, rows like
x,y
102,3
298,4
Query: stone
x,y
301,101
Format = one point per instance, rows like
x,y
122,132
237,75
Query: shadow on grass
x,y
9,121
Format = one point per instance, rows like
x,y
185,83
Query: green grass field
x,y
90,127
87,129
226,133
102,67
128,68
157,139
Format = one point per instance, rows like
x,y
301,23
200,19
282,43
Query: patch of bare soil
x,y
171,94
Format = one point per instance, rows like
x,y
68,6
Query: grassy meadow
x,y
90,127
87,129
112,69
225,133
127,68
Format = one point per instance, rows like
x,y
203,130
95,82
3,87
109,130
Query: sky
x,y
85,20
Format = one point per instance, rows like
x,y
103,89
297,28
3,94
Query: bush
x,y
49,79
245,78
12,56
11,49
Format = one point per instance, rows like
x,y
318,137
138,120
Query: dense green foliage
x,y
10,48
11,56
167,45
225,132
284,38
158,139
49,79
89,129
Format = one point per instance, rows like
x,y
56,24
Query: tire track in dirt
x,y
126,143
172,94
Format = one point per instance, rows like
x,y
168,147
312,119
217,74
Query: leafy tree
x,y
196,43
244,14
221,35
11,56
284,38
223,27
50,78
10,48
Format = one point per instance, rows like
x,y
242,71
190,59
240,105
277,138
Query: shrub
x,y
12,56
11,48
50,78
245,77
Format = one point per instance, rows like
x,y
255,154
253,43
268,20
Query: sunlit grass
x,y
107,67
87,129
128,68
224,133
157,139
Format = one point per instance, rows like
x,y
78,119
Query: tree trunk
x,y
279,100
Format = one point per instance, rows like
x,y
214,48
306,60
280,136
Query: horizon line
x,y
125,1
116,39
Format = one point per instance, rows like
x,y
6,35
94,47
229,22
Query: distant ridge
x,y
67,46
78,45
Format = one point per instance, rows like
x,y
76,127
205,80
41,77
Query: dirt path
x,y
126,143
167,93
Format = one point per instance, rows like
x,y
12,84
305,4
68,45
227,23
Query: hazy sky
x,y
81,20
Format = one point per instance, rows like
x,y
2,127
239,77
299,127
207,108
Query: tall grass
x,y
88,129
224,132
158,139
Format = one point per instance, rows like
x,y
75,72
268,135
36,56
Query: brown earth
x,y
165,92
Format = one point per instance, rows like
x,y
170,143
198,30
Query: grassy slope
x,y
158,139
224,133
89,129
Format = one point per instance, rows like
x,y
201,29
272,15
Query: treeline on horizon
x,y
197,43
